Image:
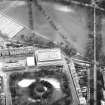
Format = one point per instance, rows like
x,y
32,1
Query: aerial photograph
x,y
52,52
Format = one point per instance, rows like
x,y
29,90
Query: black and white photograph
x,y
52,52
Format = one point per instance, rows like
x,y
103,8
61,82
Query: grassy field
x,y
74,22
